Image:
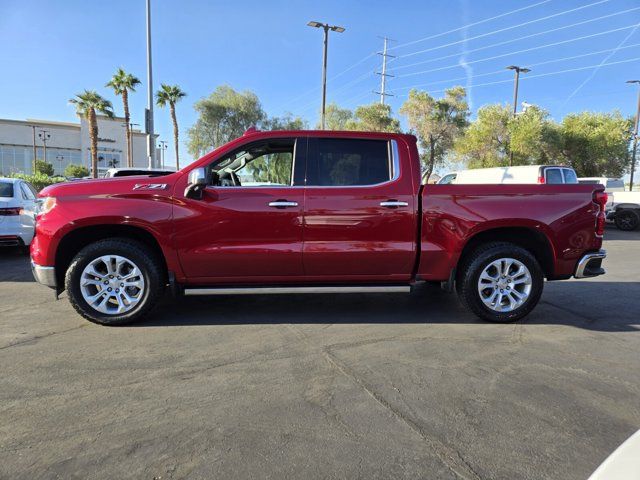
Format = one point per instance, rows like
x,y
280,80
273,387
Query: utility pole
x,y
635,139
35,152
384,74
162,146
44,136
516,83
149,112
326,27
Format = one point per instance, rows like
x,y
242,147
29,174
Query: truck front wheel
x,y
114,281
500,282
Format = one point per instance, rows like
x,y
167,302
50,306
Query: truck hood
x,y
105,186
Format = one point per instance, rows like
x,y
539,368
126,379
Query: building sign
x,y
110,140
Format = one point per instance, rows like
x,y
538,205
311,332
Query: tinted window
x,y
589,182
553,175
447,179
615,184
570,176
6,189
345,162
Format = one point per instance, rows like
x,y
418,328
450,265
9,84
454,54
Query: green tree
x,y
486,141
438,123
87,104
224,115
170,95
44,168
373,118
121,83
76,171
285,122
595,144
336,118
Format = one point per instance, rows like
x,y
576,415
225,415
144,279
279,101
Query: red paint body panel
x,y
334,235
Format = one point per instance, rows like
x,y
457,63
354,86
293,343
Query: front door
x,y
360,211
248,225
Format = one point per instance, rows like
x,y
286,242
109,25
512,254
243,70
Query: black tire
x,y
472,267
627,220
145,260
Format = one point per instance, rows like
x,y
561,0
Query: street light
x,y
162,145
326,27
44,135
517,71
635,139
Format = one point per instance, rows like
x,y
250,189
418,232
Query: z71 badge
x,y
150,186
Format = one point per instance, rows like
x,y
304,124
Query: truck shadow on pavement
x,y
589,305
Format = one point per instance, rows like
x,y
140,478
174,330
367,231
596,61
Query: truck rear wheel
x,y
114,281
500,282
627,219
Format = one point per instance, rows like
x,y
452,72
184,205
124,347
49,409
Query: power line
x,y
505,29
518,39
546,74
502,70
605,59
522,51
469,25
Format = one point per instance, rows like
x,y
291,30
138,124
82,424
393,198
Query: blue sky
x,y
52,50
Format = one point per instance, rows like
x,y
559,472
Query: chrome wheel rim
x,y
505,285
112,284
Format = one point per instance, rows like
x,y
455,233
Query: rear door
x,y
360,211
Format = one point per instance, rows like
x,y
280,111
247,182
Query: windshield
x,y
6,189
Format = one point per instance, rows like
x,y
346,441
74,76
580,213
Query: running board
x,y
281,290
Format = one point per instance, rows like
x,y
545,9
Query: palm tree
x,y
123,82
171,94
87,104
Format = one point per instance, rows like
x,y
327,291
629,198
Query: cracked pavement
x,y
327,386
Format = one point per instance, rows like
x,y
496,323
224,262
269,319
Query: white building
x,y
68,143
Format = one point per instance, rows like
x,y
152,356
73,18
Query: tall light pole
x,y
35,154
149,113
516,83
44,136
326,27
162,145
635,139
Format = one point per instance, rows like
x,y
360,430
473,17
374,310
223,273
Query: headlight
x,y
45,205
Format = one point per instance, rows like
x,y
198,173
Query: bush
x,y
76,171
44,168
39,180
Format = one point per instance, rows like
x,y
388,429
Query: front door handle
x,y
393,204
283,204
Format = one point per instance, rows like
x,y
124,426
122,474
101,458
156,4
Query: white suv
x,y
17,212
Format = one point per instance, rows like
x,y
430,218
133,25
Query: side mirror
x,y
197,182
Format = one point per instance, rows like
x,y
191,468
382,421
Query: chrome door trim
x,y
394,204
282,204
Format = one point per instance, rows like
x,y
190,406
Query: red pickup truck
x,y
311,212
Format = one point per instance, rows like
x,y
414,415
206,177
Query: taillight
x,y
541,179
10,211
600,198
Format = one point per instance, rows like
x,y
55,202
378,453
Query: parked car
x,y
523,174
128,172
343,212
17,212
610,184
623,208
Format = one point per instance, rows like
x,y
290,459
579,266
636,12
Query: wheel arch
x,y
77,239
531,239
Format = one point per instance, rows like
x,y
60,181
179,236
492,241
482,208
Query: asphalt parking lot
x,y
331,386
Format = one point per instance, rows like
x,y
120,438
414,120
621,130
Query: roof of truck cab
x,y
324,133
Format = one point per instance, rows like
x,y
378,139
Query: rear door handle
x,y
283,204
393,204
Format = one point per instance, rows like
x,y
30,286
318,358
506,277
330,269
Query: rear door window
x,y
343,162
27,194
6,189
553,176
569,175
